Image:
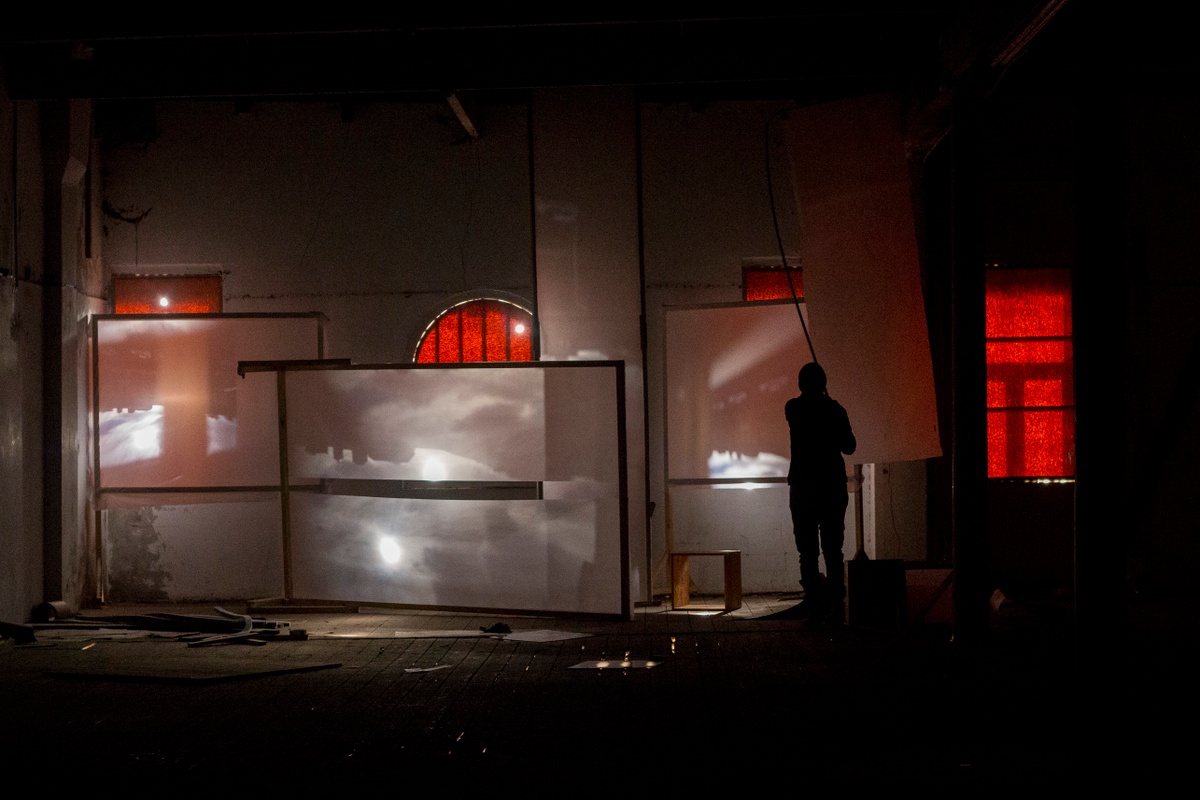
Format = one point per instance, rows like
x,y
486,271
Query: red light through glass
x,y
771,283
481,330
1030,374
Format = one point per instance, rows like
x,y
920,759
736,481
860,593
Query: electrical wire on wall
x,y
787,270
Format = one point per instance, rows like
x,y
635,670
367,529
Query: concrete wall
x,y
21,296
379,220
20,364
588,262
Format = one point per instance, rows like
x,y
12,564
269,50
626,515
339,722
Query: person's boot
x,y
815,605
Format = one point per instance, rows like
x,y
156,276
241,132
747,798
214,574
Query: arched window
x,y
478,330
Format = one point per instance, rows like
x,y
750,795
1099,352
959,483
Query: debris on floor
x,y
198,630
615,664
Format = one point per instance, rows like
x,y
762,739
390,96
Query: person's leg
x,y
832,536
806,529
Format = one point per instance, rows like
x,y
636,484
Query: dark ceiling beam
x,y
883,50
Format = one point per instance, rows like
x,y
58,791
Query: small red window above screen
x,y
167,294
771,283
479,330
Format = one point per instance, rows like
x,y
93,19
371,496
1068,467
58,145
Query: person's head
x,y
811,379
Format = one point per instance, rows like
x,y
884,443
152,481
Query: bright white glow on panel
x,y
222,434
146,441
519,328
389,548
512,554
433,470
128,436
739,465
164,302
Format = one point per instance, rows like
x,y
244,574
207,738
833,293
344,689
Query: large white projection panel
x,y
470,426
535,555
484,424
730,369
171,408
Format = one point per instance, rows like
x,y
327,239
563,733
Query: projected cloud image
x,y
471,553
486,424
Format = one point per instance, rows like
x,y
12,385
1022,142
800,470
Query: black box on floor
x,y
875,592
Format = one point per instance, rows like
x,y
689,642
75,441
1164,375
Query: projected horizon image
x,y
172,410
730,369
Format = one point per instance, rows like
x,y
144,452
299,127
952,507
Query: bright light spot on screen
x,y
164,302
389,548
519,328
128,436
728,464
433,470
145,440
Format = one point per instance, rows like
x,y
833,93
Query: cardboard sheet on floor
x,y
184,670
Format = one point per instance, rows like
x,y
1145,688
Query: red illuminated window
x,y
1030,374
771,283
479,330
167,294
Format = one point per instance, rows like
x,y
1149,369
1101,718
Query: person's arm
x,y
849,443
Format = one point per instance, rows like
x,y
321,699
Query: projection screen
x,y
485,486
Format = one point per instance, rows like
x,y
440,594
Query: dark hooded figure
x,y
820,435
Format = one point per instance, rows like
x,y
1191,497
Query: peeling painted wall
x,y
211,551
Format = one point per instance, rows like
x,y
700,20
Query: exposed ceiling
x,y
815,51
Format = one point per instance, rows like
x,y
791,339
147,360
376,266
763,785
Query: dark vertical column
x,y
535,333
54,132
933,178
644,339
1102,519
968,391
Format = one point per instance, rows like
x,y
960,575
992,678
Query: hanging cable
x,y
787,271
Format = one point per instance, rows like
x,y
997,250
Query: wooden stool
x,y
680,578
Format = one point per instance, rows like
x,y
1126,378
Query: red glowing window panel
x,y
771,283
167,294
1024,303
1030,374
1027,443
480,330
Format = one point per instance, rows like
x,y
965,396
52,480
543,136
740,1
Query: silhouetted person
x,y
820,434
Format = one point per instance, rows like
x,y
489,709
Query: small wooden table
x,y
681,577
